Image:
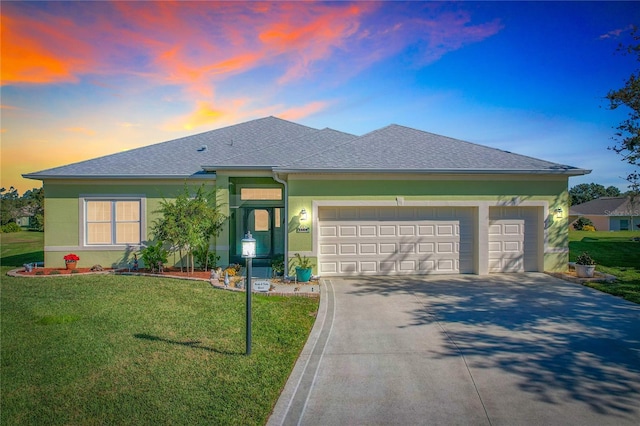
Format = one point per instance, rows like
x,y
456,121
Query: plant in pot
x,y
71,260
277,265
303,268
585,266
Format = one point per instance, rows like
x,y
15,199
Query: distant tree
x,y
627,136
590,191
582,223
13,206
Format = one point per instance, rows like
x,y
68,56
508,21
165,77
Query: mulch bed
x,y
167,272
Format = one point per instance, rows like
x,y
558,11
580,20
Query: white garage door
x,y
394,240
513,239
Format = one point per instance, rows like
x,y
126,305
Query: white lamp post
x,y
248,252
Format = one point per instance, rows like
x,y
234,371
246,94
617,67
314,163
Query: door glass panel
x,y
261,220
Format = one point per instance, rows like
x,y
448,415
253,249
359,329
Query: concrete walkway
x,y
501,350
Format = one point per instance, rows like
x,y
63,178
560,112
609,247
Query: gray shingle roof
x,y
285,146
402,148
606,206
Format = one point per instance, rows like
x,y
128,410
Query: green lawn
x,y
139,350
616,254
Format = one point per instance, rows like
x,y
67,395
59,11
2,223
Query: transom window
x,y
111,222
261,194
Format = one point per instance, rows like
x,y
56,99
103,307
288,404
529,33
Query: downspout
x,y
286,215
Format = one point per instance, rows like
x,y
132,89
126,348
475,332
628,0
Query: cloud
x,y
616,33
201,47
82,130
297,113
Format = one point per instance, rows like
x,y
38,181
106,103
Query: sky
x,y
80,80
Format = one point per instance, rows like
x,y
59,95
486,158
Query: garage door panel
x,y
328,249
348,249
368,231
406,230
348,231
513,239
368,248
328,230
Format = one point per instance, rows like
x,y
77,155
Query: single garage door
x,y
513,239
394,240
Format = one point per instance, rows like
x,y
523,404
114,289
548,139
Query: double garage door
x,y
415,240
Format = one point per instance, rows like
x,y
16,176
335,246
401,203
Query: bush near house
x,y
581,223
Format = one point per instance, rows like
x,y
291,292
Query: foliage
x,y
205,258
10,227
590,191
585,259
153,255
627,136
277,264
13,206
71,257
189,222
581,223
589,228
302,262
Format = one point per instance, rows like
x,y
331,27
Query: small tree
x,y
188,223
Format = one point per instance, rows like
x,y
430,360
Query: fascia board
x,y
569,172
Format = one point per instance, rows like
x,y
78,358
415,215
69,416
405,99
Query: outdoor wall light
x,y
303,215
559,212
248,246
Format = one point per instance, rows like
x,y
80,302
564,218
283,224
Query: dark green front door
x,y
266,226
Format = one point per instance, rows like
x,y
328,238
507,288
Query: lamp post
x,y
248,252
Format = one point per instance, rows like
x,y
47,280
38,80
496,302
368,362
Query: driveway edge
x,y
286,399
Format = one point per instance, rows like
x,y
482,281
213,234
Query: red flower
x,y
71,258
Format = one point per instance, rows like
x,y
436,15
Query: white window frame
x,y
84,199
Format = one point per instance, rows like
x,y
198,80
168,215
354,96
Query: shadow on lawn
x,y
191,344
563,341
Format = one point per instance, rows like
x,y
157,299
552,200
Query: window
x,y
261,194
111,222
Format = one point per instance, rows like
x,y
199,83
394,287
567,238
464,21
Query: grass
x,y
615,253
106,349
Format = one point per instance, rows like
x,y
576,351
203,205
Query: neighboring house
x,y
393,201
609,213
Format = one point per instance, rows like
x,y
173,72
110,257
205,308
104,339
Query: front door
x,y
266,226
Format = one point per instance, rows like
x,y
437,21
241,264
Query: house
x,y
394,201
609,213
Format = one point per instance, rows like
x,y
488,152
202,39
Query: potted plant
x,y
277,265
303,268
71,261
585,266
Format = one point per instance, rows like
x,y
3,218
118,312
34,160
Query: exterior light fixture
x,y
303,215
559,212
248,252
248,246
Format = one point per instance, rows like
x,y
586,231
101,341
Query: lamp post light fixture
x,y
559,213
303,215
248,252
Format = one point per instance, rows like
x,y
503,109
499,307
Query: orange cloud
x,y
298,113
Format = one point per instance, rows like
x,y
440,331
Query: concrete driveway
x,y
501,350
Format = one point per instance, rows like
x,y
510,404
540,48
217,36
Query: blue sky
x,y
81,80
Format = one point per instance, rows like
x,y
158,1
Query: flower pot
x,y
585,271
303,275
71,264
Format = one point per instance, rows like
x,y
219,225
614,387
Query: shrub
x,y
11,227
54,272
581,223
589,228
153,255
585,259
